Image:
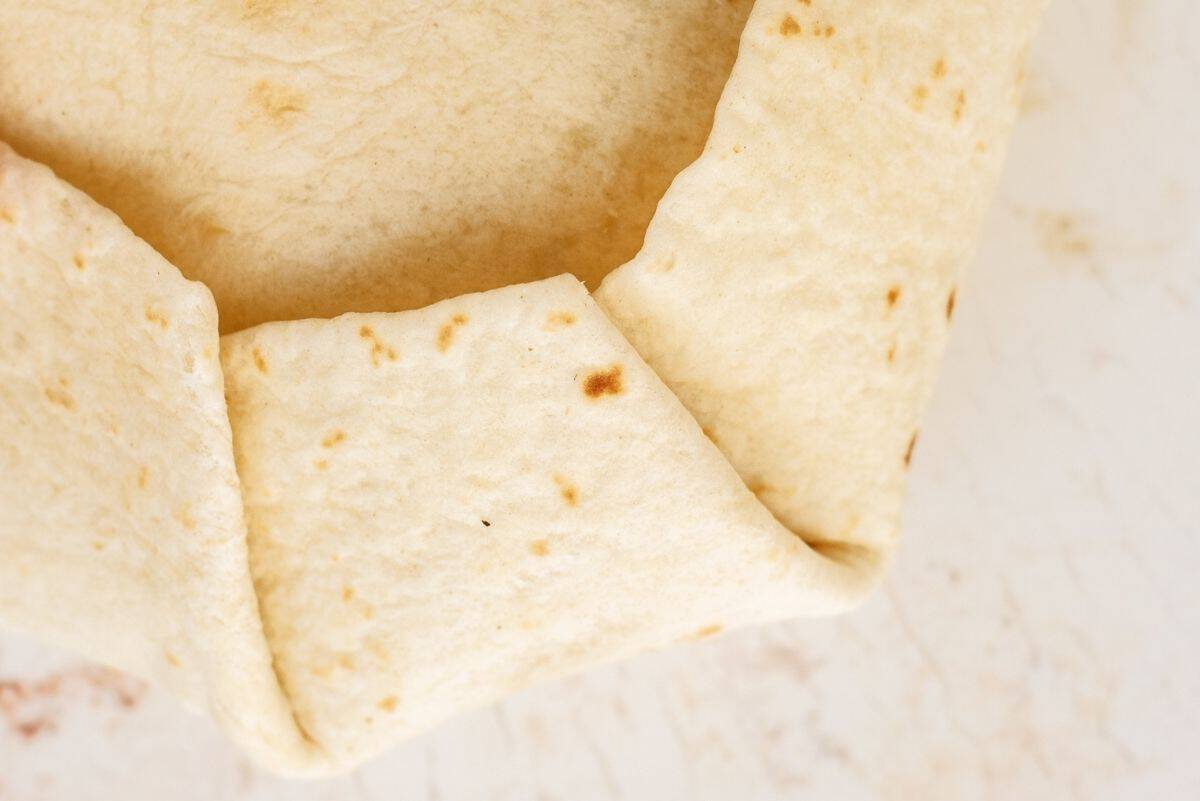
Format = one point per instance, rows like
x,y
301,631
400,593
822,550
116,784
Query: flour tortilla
x,y
447,504
306,159
798,282
121,531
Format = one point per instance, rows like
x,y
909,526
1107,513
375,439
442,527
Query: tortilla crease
x,y
121,526
446,504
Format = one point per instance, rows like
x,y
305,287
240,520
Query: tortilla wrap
x,y
445,504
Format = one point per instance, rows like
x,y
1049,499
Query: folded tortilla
x,y
444,504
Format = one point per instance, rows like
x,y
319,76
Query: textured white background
x,y
1040,637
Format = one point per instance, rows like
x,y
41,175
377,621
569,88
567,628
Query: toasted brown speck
x,y
445,336
172,660
78,260
789,26
347,593
6,216
950,303
278,104
259,361
321,464
709,631
891,354
379,349
185,518
829,31
346,661
758,487
908,453
569,492
893,296
559,319
939,69
155,316
333,438
919,94
539,548
388,704
604,382
143,477
708,432
960,103
59,395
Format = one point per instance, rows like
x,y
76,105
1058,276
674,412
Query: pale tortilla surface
x,y
306,159
445,505
121,530
449,503
798,282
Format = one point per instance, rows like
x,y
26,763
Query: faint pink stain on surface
x,y
31,708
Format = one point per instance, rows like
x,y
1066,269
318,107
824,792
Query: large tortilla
x,y
121,531
447,504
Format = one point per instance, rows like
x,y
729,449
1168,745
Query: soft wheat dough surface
x,y
306,159
447,504
121,525
798,281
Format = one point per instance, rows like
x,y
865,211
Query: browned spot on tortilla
x,y
155,316
185,518
708,432
939,69
388,704
559,319
98,545
6,216
445,336
891,356
172,660
569,492
806,2
665,264
259,361
539,547
143,477
893,296
789,26
709,631
346,661
333,438
960,103
321,464
919,94
829,31
59,395
758,487
908,452
379,349
347,593
950,300
78,260
604,382
278,104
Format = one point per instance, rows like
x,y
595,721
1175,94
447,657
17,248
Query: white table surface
x,y
1040,636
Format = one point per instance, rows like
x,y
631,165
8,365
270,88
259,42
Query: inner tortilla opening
x,y
529,140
